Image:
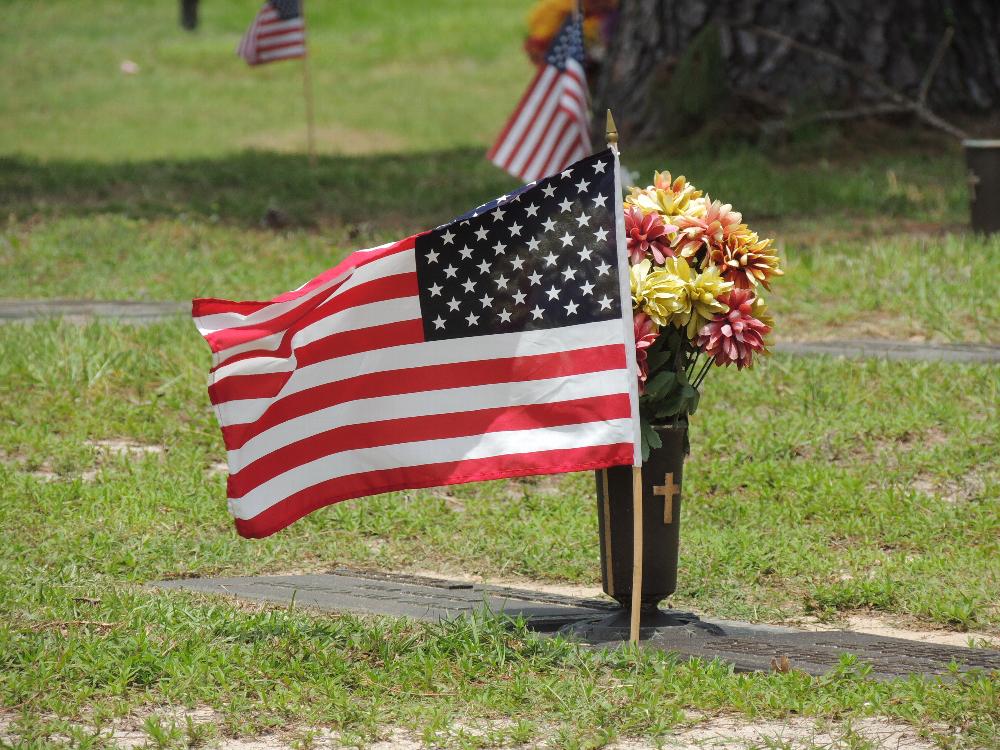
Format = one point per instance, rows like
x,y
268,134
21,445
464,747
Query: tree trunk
x,y
720,54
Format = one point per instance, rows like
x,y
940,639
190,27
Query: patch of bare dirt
x,y
888,450
738,733
44,471
967,488
800,328
702,733
106,450
115,447
899,628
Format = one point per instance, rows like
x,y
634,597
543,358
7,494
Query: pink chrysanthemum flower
x,y
645,334
647,235
735,336
712,230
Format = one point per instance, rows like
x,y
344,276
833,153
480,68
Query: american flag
x,y
549,128
277,33
493,346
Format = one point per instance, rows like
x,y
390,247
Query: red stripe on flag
x,y
270,31
344,343
211,305
527,140
294,507
430,427
517,113
555,161
427,378
354,260
537,158
263,385
273,49
293,321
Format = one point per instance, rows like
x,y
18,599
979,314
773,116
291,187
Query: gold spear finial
x,y
612,131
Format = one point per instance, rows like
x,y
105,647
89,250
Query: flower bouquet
x,y
547,16
697,272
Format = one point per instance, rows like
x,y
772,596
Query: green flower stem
x,y
691,365
704,371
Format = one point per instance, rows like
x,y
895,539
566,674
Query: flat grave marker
x,y
748,647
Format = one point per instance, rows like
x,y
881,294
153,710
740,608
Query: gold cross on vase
x,y
668,489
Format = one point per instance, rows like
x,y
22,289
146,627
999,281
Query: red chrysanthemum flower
x,y
645,334
647,235
736,335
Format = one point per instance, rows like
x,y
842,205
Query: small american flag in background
x,y
493,346
550,127
277,33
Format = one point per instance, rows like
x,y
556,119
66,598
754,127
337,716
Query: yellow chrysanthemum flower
x,y
656,292
704,291
671,198
759,310
680,271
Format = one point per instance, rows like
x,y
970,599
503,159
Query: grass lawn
x,y
827,503
816,487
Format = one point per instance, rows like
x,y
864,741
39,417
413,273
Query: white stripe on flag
x,y
526,115
543,151
279,53
418,453
276,41
279,26
390,265
536,133
352,319
426,403
429,353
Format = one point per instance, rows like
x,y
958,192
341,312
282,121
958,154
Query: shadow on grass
x,y
399,188
422,189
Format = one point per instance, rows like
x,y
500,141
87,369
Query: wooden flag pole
x,y
308,92
611,133
636,552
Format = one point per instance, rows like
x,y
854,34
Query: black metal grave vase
x,y
661,504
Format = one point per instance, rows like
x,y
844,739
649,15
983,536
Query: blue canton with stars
x,y
567,44
286,9
544,257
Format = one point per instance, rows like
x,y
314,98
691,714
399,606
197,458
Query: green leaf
x,y
657,346
661,384
656,360
650,438
671,405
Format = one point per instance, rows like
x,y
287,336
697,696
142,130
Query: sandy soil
x,y
702,733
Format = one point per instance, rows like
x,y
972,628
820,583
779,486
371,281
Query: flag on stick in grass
x,y
494,346
550,127
277,33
